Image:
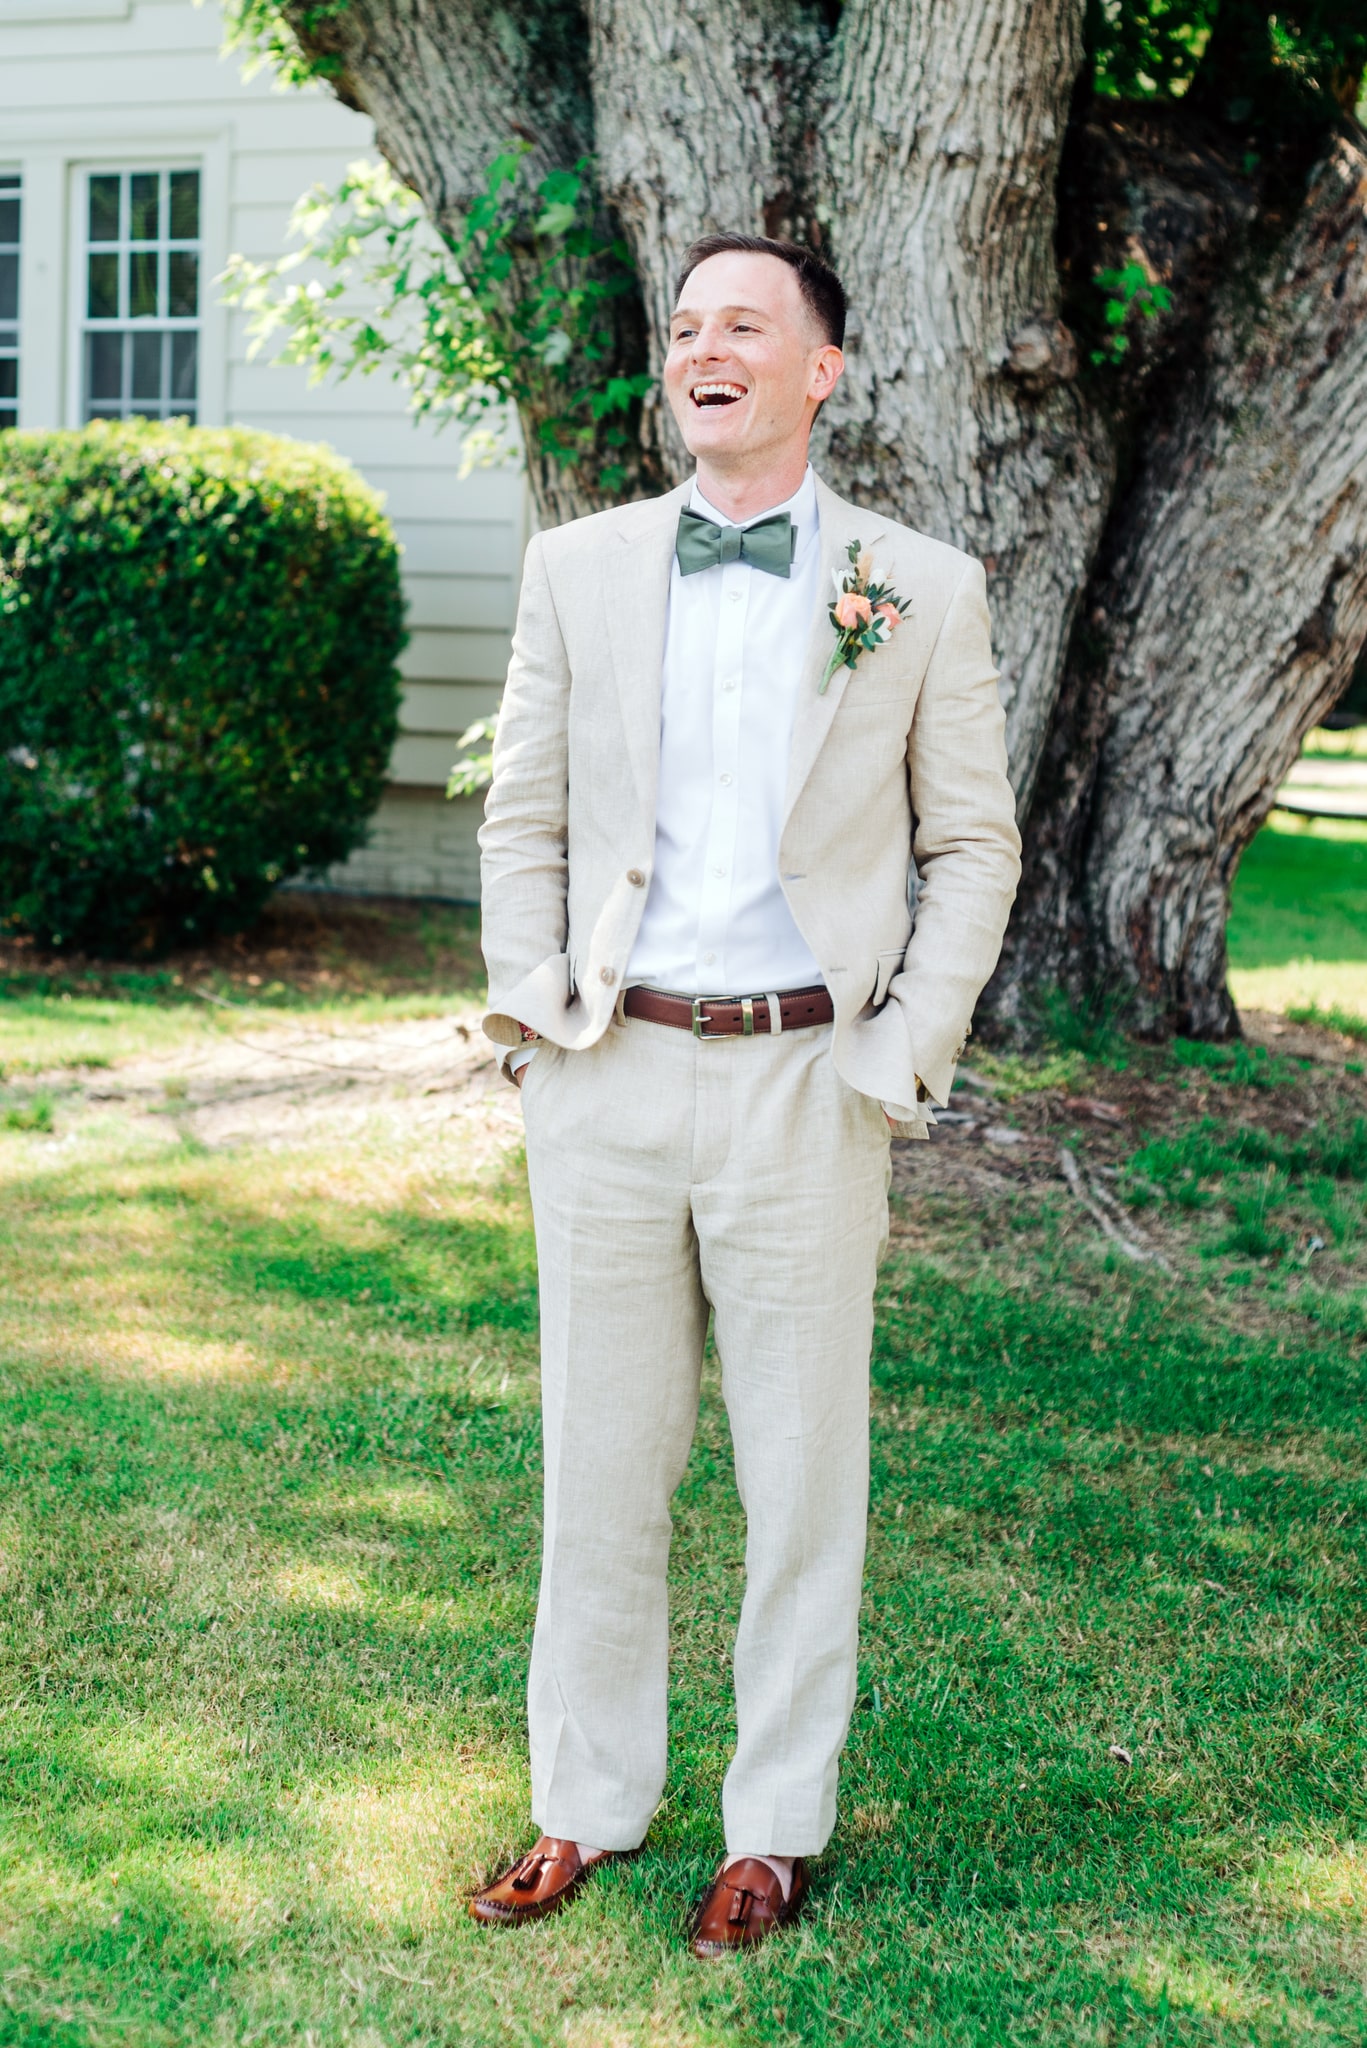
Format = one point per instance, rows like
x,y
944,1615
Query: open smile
x,y
718,393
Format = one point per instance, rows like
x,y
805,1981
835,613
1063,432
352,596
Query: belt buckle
x,y
699,1020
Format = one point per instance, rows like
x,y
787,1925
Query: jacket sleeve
x,y
523,840
966,845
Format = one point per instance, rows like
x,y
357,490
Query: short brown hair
x,y
821,288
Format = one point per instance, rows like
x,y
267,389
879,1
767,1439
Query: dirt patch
x,y
1000,1151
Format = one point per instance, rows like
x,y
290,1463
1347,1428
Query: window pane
x,y
9,378
146,365
185,206
184,364
144,209
8,419
105,358
9,220
142,284
9,287
184,285
102,302
9,337
104,209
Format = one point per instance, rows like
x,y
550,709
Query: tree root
x,y
1107,1214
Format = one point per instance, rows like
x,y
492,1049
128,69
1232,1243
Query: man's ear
x,y
826,372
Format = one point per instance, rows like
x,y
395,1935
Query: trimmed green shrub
x,y
198,690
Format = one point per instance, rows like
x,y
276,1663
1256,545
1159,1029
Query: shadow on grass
x,y
304,944
265,1642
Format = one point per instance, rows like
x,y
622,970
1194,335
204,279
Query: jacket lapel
x,y
636,605
841,523
636,601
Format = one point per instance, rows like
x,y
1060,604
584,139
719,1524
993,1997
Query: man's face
x,y
747,364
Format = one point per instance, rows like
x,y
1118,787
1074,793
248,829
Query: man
x,y
697,866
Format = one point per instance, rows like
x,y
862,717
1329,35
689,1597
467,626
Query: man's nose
x,y
707,345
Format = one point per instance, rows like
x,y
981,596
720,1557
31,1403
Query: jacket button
x,y
636,878
607,974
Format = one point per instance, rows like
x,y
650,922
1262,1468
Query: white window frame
x,y
123,249
15,354
142,150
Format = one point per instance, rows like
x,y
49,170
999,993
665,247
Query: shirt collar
x,y
801,507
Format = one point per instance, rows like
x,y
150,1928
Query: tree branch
x,y
702,113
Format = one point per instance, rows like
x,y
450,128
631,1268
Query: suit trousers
x,y
670,1175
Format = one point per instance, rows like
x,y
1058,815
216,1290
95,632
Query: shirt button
x,y
719,871
636,878
735,597
728,778
728,686
607,974
709,959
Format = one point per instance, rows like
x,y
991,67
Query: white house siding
x,y
107,84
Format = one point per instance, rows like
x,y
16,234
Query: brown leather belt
x,y
730,1016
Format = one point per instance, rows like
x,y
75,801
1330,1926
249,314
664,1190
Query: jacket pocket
x,y
889,964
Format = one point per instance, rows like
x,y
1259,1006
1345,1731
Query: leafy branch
x,y
260,27
476,771
507,306
1127,290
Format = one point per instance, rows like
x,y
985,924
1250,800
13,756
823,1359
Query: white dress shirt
x,y
716,921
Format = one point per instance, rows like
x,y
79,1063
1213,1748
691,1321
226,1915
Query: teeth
x,y
702,391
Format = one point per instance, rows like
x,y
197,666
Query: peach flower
x,y
890,613
852,610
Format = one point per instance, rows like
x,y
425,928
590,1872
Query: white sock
x,y
782,1867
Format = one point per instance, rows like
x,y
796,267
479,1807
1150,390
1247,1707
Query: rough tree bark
x,y
1206,507
1224,618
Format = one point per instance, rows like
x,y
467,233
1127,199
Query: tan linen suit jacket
x,y
903,757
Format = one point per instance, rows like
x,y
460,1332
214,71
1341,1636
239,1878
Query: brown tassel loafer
x,y
744,1903
538,1884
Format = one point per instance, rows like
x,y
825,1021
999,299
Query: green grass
x,y
1322,744
32,1115
403,960
1298,928
268,1554
1348,1022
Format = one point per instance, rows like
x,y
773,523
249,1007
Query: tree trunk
x,y
918,147
1203,503
1226,620
937,171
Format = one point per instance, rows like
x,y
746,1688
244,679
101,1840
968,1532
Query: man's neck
x,y
740,494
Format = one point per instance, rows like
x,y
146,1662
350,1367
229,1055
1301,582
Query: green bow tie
x,y
767,545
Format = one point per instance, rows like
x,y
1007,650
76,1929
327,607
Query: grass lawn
x,y
269,1526
1298,933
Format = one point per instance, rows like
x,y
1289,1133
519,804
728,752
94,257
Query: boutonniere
x,y
864,614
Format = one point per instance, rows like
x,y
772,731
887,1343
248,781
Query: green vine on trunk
x,y
1128,290
506,308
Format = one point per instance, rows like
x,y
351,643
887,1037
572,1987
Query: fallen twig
x,y
1105,1212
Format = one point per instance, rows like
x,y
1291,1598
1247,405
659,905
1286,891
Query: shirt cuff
x,y
920,1111
517,1060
